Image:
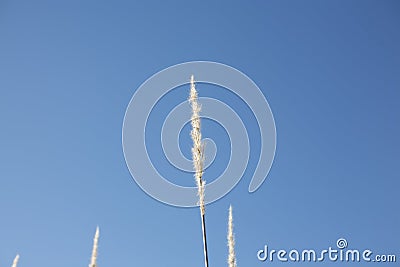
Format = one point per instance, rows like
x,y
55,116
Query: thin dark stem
x,y
203,227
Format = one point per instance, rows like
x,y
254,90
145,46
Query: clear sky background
x,y
330,71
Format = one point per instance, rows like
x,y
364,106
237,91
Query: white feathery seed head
x,y
15,262
197,150
231,240
95,247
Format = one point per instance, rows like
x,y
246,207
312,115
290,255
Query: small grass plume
x,y
15,262
198,159
231,240
93,259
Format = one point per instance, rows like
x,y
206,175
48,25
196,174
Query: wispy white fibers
x,y
197,150
15,262
198,159
94,250
231,241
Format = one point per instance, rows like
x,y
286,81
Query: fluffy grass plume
x,y
15,262
197,150
198,159
94,250
231,240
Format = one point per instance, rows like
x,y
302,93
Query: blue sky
x,y
329,69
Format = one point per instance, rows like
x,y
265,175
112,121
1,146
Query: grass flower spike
x,y
198,159
94,250
197,150
15,262
231,241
